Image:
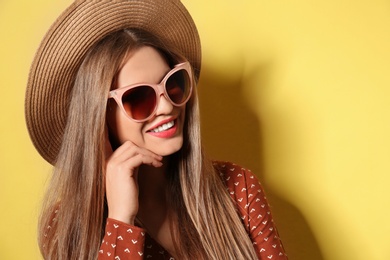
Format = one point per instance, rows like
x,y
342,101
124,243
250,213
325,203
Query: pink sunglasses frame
x,y
159,89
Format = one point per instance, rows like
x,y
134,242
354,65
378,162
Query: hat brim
x,y
62,50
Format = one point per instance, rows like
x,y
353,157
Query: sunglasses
x,y
139,101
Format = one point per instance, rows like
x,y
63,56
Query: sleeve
x,y
122,241
254,210
262,229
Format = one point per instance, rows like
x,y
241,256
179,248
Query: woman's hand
x,y
121,179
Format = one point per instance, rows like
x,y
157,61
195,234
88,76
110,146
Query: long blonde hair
x,y
74,212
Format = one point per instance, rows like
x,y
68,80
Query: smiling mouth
x,y
163,127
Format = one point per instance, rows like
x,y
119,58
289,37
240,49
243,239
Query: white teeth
x,y
163,127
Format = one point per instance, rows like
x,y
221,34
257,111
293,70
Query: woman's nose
x,y
164,106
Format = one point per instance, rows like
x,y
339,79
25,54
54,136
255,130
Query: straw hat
x,y
61,51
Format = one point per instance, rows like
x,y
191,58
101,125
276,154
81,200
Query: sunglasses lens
x,y
139,102
178,87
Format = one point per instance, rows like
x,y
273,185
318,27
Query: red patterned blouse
x,y
123,241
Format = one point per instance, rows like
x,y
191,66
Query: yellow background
x,y
297,90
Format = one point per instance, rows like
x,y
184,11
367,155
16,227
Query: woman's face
x,y
146,65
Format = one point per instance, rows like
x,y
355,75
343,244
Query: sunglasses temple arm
x,y
111,94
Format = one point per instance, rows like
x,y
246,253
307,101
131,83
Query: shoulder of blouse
x,y
252,206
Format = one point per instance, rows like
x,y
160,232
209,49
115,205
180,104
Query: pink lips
x,y
167,133
161,123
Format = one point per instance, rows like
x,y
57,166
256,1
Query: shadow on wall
x,y
232,132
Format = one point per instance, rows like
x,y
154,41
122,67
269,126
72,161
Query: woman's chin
x,y
168,149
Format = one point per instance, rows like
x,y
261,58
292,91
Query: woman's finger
x,y
129,149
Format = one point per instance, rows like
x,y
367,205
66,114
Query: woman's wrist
x,y
126,220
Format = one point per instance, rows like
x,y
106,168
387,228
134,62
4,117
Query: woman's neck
x,y
152,183
154,214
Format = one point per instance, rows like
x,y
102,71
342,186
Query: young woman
x,y
111,102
